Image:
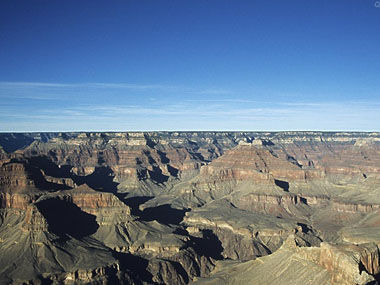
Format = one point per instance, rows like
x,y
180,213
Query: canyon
x,y
190,208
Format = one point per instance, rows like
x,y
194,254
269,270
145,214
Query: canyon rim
x,y
190,207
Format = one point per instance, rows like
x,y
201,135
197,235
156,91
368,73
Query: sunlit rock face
x,y
185,207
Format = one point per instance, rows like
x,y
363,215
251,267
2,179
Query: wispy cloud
x,y
80,85
87,106
189,109
231,100
43,90
212,91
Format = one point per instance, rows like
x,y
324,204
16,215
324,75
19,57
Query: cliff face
x,y
168,207
294,264
14,177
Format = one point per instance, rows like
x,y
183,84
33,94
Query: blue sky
x,y
189,65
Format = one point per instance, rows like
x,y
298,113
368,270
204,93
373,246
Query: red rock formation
x,y
16,201
34,221
14,177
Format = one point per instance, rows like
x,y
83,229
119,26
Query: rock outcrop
x,y
292,264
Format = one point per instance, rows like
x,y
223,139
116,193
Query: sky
x,y
221,65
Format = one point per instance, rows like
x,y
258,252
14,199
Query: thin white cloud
x,y
209,111
212,92
205,113
303,104
22,84
9,86
125,86
232,100
80,85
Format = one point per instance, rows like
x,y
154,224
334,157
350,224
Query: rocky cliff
x,y
183,207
